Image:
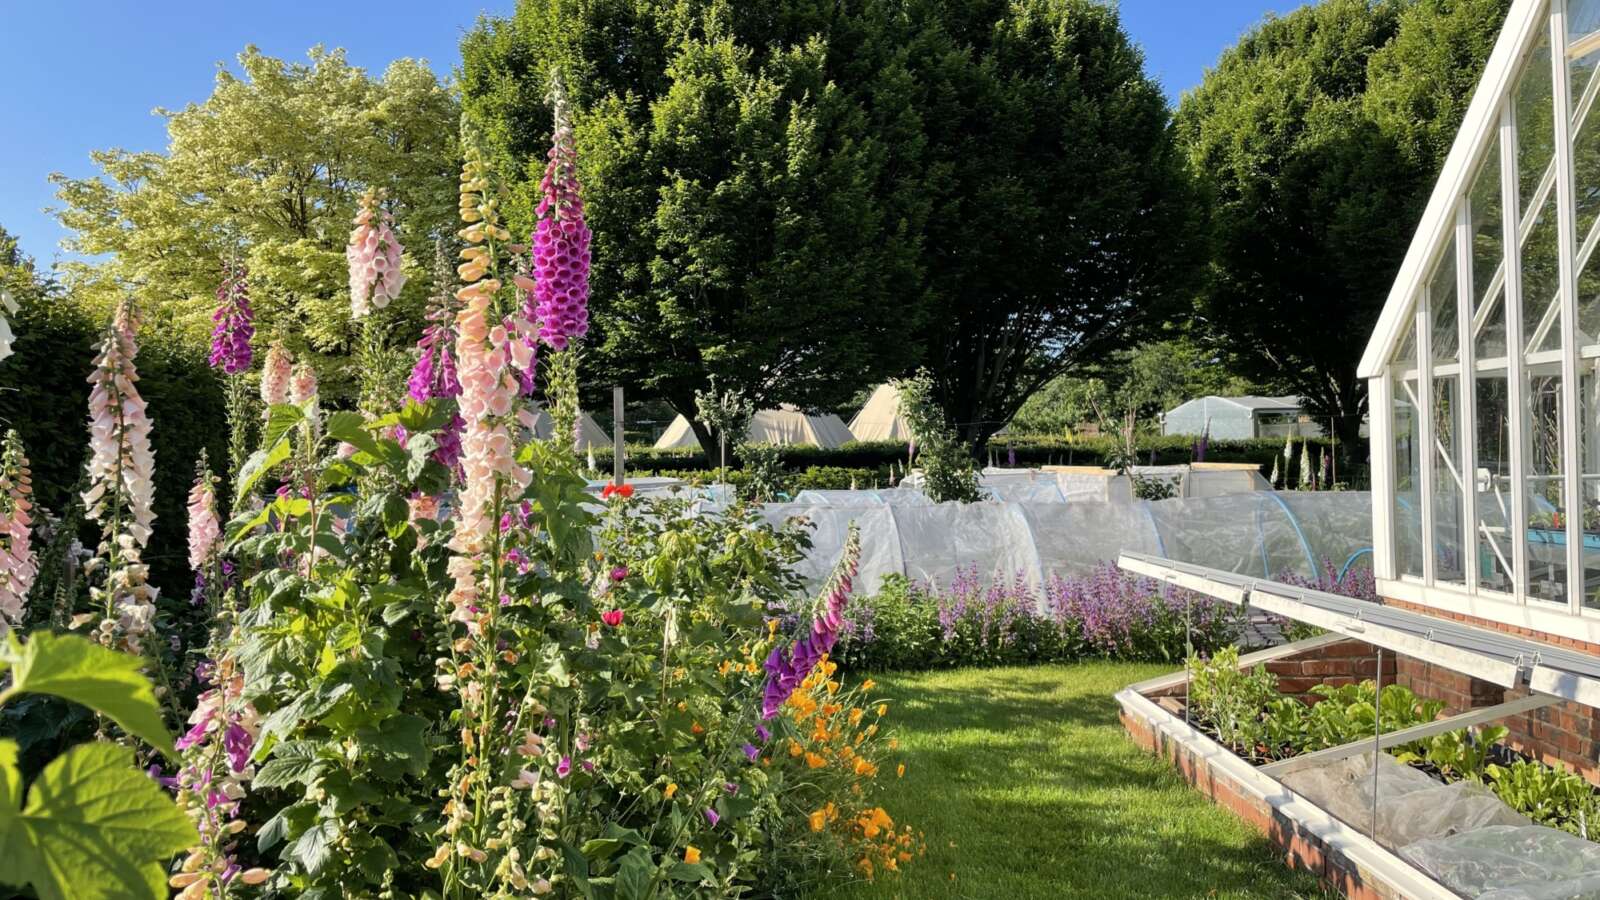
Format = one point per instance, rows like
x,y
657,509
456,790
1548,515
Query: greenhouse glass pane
x,y
1589,452
1406,356
1541,282
1546,506
1488,259
1583,67
1534,105
1448,565
1408,479
1442,306
1492,434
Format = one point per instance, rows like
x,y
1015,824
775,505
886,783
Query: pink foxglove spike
x,y
374,258
276,373
18,567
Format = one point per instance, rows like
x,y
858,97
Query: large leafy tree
x,y
267,171
804,198
1317,139
1060,228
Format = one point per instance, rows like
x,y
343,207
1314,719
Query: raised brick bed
x,y
1311,838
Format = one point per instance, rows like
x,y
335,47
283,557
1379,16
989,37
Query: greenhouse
x,y
1484,370
1481,637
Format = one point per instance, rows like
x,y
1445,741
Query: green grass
x,y
1028,789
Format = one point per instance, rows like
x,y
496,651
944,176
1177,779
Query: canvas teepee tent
x,y
880,419
784,426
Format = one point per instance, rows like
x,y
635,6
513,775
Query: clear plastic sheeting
x,y
1511,863
1262,533
1414,806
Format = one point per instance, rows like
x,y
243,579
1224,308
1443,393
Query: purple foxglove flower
x,y
230,336
559,301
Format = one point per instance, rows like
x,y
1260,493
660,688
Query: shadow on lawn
x,y
1036,775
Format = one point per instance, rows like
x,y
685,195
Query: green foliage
x,y
268,170
1149,379
1462,755
764,470
948,472
91,825
72,668
1344,714
1231,701
745,207
1316,141
1547,795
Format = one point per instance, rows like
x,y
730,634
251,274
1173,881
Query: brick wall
x,y
1340,663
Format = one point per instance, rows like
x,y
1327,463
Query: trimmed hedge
x,y
1030,451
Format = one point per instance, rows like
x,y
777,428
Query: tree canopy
x,y
267,171
805,198
1316,141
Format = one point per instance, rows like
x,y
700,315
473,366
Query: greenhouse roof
x,y
1525,23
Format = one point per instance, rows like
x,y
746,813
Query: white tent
x,y
783,426
880,419
590,435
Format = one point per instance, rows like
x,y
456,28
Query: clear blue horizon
x,y
123,65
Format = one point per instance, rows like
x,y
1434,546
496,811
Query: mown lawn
x,y
1028,789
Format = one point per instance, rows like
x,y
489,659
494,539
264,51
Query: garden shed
x,y
1239,418
784,426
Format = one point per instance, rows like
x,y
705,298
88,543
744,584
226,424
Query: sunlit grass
x,y
1028,789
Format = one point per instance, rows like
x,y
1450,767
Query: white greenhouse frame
x,y
1447,494
1491,529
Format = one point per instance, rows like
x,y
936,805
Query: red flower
x,y
620,490
612,617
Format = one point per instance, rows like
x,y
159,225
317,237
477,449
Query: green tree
x,y
1058,234
268,170
749,219
805,198
1316,140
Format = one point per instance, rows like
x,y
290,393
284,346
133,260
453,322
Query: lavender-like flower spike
x,y
559,301
230,337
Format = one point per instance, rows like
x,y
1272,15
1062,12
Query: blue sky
x,y
80,75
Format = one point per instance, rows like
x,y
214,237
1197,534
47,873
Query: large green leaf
x,y
260,463
94,827
76,669
635,875
351,428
